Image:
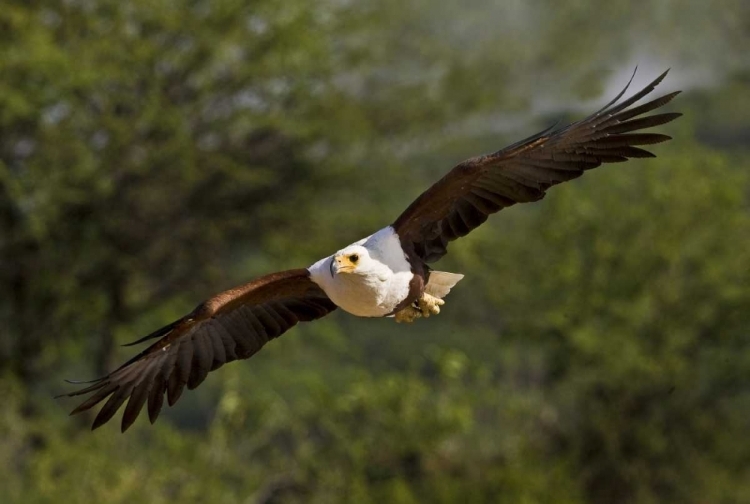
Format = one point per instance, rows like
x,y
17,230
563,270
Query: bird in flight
x,y
386,274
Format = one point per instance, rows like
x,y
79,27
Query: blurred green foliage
x,y
152,153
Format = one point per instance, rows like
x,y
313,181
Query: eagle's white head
x,y
354,259
368,278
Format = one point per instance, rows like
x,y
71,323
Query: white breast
x,y
379,288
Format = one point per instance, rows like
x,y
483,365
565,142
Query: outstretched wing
x,y
522,172
230,326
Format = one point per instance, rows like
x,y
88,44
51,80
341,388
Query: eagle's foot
x,y
429,305
424,307
408,315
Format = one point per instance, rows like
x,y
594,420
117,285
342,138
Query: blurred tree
x,y
153,153
638,305
139,142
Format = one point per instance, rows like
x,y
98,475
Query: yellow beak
x,y
343,264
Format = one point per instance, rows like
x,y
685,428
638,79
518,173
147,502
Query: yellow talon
x,y
408,315
430,305
427,305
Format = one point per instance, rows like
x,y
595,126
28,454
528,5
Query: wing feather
x,y
139,396
112,405
232,325
181,372
219,352
156,397
522,172
203,356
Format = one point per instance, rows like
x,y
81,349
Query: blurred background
x,y
155,153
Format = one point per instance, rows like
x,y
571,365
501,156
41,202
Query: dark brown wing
x,y
522,172
230,326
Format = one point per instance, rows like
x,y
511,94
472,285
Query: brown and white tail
x,y
440,283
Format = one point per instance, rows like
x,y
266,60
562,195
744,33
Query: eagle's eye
x,y
354,258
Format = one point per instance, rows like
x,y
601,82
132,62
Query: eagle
x,y
386,274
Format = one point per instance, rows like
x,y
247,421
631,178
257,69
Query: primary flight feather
x,y
385,274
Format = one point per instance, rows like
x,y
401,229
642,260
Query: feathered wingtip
x,y
624,90
80,382
611,109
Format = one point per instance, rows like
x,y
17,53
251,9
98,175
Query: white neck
x,y
378,287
